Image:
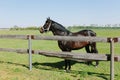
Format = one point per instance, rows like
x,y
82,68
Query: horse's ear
x,y
48,18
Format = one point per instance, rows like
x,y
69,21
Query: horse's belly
x,y
79,45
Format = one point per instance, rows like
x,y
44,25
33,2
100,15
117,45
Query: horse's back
x,y
85,33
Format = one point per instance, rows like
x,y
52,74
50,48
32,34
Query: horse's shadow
x,y
60,66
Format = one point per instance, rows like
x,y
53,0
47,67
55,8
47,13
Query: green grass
x,y
14,66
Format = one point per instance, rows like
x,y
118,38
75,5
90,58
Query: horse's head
x,y
46,26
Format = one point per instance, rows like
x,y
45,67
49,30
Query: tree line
x,y
69,27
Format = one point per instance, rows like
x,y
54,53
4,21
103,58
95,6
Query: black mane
x,y
60,27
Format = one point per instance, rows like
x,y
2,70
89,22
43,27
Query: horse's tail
x,y
92,44
91,48
91,33
87,48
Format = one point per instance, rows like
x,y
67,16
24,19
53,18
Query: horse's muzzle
x,y
41,30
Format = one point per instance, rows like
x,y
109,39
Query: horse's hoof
x,y
64,70
96,66
68,71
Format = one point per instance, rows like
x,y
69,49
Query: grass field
x,y
15,66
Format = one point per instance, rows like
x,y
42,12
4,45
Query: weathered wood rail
x,y
66,55
65,38
71,56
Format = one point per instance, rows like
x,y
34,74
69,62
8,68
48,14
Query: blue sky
x,y
26,13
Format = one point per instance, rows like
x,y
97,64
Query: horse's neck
x,y
59,30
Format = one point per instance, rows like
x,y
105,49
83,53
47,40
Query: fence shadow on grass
x,y
60,66
23,65
84,73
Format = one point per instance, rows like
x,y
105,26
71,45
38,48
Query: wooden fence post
x,y
30,52
112,59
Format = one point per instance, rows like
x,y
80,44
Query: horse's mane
x,y
59,25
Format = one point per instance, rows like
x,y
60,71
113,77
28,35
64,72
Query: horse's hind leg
x,y
69,64
94,50
88,51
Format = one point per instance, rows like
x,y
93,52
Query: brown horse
x,y
68,46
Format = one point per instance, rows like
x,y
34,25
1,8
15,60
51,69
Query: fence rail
x,y
66,38
66,55
75,56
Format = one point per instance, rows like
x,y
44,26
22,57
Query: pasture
x,y
15,66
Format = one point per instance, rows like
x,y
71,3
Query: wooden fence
x,y
67,55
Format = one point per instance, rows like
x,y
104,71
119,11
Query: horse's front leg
x,y
67,62
67,65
